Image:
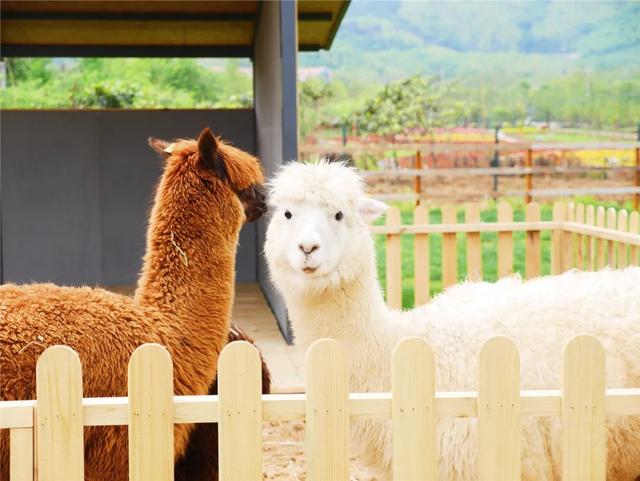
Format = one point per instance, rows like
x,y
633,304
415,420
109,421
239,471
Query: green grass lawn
x,y
488,241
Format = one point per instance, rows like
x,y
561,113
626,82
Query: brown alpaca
x,y
183,299
200,460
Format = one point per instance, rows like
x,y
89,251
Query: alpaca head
x,y
212,166
318,235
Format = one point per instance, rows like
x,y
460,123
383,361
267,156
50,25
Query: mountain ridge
x,y
486,42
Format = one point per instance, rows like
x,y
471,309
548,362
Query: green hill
x,y
496,43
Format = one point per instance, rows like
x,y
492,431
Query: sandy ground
x,y
283,454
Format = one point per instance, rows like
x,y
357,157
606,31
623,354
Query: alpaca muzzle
x,y
253,201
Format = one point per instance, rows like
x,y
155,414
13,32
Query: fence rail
x,y
151,410
528,171
487,147
502,171
583,237
530,194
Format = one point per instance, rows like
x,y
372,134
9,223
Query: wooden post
x,y
559,215
623,225
394,261
240,398
505,242
421,259
499,425
150,414
568,240
327,412
449,248
612,221
600,243
634,227
636,196
584,437
590,217
474,246
59,424
528,177
532,242
580,252
413,411
417,187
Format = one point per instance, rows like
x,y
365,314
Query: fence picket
x,y
449,249
413,411
612,223
499,425
634,227
59,415
583,411
150,414
394,261
580,238
623,225
591,241
569,241
21,454
532,242
559,215
474,247
240,425
505,242
421,257
327,413
600,245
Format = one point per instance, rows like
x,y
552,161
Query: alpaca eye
x,y
287,214
339,215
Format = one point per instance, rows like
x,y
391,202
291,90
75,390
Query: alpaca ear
x,y
209,153
370,209
162,147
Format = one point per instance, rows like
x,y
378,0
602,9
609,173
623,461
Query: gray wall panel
x,y
76,198
50,191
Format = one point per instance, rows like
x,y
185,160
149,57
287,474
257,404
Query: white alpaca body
x,y
341,299
457,322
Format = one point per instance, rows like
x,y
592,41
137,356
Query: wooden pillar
x,y
528,178
636,196
417,183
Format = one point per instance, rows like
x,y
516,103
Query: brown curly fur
x,y
183,299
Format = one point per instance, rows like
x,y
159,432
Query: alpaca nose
x,y
308,248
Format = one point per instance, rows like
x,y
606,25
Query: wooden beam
x,y
157,51
204,409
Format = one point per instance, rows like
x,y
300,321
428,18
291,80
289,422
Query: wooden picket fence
x,y
582,237
57,418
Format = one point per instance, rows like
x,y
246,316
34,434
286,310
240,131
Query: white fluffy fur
x,y
342,299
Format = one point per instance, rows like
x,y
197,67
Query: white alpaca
x,y
321,258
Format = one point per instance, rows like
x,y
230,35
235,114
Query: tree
x,y
417,103
23,69
312,93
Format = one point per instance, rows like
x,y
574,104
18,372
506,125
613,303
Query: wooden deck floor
x,y
252,313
